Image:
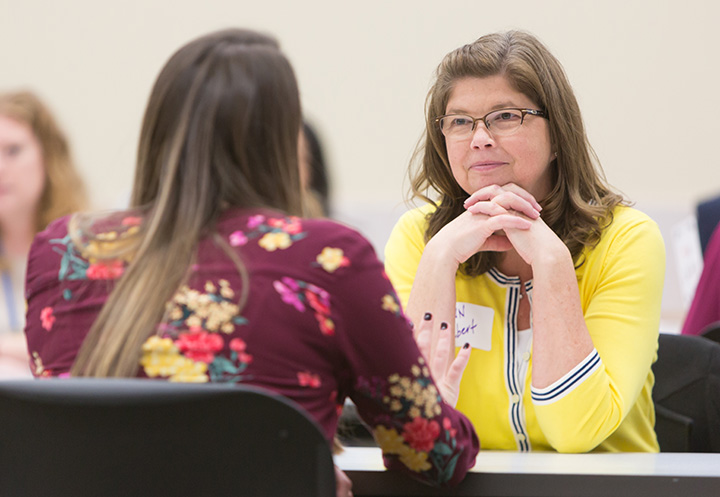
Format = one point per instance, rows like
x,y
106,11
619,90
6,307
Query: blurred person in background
x,y
314,174
38,183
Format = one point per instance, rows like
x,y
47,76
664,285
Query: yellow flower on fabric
x,y
414,412
273,241
190,371
176,313
110,235
331,259
390,441
225,289
396,390
209,287
162,358
415,369
159,345
415,461
390,304
194,321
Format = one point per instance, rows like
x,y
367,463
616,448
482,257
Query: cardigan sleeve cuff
x,y
567,383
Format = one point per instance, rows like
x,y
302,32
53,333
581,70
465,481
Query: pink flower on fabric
x,y
200,345
315,303
132,221
327,326
294,226
105,270
238,345
288,296
421,434
321,293
307,379
291,283
447,425
255,221
47,319
276,222
238,238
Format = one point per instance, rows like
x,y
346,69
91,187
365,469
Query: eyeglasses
x,y
498,122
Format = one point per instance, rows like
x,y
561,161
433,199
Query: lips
x,y
486,165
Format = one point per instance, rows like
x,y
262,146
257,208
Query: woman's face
x,y
22,169
483,159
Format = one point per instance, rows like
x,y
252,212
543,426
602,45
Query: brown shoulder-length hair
x,y
220,130
64,191
580,203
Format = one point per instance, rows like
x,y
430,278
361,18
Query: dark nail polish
x,y
427,316
467,345
443,326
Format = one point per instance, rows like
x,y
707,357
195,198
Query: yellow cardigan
x,y
604,403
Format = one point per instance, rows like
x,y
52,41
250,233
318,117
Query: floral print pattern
x,y
421,443
47,318
213,310
331,259
302,295
299,272
93,263
276,233
194,337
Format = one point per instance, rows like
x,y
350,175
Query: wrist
x,y
441,254
553,261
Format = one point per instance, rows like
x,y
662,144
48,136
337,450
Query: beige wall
x,y
645,72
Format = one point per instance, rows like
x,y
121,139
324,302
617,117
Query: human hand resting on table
x,y
437,344
531,243
343,484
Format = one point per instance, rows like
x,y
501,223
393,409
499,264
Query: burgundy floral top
x,y
321,323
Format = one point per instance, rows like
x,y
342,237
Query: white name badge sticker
x,y
473,325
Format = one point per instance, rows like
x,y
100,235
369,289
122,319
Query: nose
x,y
481,136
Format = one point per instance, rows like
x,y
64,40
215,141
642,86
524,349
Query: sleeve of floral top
x,y
64,294
392,388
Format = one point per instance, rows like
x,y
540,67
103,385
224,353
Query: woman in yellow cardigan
x,y
557,283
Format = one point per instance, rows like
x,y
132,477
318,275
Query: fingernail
x,y
443,326
427,316
467,345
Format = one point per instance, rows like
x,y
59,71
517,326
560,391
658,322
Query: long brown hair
x,y
580,203
64,191
220,130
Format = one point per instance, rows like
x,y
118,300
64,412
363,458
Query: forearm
x,y
560,336
434,286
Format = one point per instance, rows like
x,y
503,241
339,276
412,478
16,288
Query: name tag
x,y
473,325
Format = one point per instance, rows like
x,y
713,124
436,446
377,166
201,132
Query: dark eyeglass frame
x,y
523,112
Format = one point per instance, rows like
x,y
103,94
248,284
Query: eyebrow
x,y
498,106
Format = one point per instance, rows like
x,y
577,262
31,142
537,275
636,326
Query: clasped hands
x,y
497,219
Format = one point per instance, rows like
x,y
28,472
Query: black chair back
x,y
134,437
687,394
